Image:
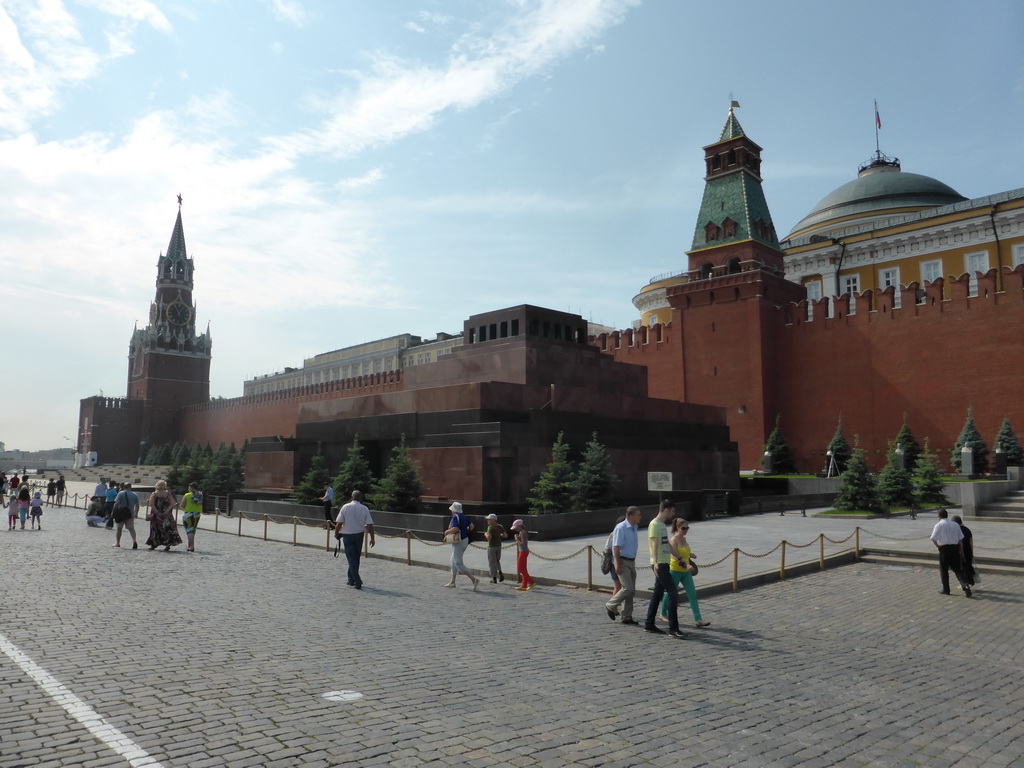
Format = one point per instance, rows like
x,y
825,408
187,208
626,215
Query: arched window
x,y
706,270
733,266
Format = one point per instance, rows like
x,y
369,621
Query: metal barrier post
x,y
821,550
803,509
295,531
408,547
266,523
856,543
216,520
239,523
782,563
735,569
590,568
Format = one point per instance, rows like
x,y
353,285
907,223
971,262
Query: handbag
x,y
692,566
121,514
452,538
606,562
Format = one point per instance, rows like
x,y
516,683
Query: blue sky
x,y
353,170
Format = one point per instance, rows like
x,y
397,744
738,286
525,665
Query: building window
x,y
931,270
711,232
1018,254
851,285
813,294
973,264
890,277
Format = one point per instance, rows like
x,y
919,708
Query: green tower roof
x,y
176,247
733,193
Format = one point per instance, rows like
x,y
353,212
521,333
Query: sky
x,y
355,170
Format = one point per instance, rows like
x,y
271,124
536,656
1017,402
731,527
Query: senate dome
x,y
880,190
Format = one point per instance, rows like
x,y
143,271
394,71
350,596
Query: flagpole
x,y
878,124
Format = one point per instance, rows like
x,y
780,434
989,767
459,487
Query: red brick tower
x,y
729,311
168,362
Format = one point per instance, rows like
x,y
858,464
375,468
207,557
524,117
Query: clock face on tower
x,y
178,313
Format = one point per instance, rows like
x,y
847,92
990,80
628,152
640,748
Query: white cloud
x,y
400,98
291,11
367,179
42,53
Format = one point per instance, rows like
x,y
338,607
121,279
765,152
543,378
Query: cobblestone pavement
x,y
223,657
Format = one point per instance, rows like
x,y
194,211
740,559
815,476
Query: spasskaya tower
x,y
168,361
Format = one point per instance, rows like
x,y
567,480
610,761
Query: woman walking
x,y
523,546
192,510
459,529
163,532
682,570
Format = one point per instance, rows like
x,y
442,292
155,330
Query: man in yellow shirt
x,y
657,540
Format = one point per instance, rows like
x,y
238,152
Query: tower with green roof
x,y
734,230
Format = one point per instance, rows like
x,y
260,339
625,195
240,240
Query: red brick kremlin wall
x,y
236,419
930,361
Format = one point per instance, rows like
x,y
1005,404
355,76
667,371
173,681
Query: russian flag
x,y
878,118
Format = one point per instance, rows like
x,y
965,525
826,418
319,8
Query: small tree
x,y
970,435
554,491
401,487
223,476
595,480
859,491
840,448
895,488
782,456
354,473
929,487
911,448
180,454
1010,445
311,488
165,454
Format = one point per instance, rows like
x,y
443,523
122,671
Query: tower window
x,y
711,232
728,228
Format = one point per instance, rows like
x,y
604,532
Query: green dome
x,y
880,190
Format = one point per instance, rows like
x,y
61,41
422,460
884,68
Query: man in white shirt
x,y
948,539
353,519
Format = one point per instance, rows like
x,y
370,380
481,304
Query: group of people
x,y
21,502
672,564
955,543
458,532
117,505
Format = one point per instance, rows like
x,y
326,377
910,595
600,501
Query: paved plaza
x,y
252,653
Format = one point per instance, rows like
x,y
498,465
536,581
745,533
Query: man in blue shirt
x,y
624,547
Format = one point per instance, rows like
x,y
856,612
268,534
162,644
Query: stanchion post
x,y
239,523
216,519
856,543
590,568
782,562
408,547
266,523
295,530
821,550
735,569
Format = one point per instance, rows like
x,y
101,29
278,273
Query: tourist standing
x,y
327,499
51,491
109,494
163,531
23,500
192,510
126,507
353,521
522,538
62,490
967,564
459,528
36,510
494,534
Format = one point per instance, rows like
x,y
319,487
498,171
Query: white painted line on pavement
x,y
136,756
343,695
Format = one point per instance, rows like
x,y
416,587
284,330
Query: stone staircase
x,y
1010,507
